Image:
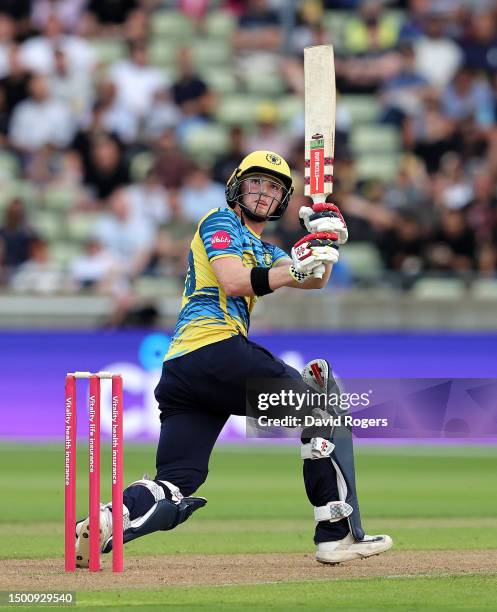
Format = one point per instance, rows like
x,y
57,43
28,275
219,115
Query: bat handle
x,y
319,272
319,198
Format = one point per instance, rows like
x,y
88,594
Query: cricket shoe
x,y
83,535
349,548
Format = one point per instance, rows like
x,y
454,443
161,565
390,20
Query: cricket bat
x,y
320,104
319,108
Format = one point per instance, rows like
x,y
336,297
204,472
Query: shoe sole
x,y
334,558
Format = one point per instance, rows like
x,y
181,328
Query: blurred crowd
x,y
103,142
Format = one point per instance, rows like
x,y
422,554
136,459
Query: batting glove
x,y
324,218
311,253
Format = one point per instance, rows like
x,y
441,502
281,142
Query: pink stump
x,y
117,474
70,475
94,471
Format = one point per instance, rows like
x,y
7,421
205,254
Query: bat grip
x,y
318,272
319,198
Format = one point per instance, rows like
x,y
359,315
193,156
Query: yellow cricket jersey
x,y
207,314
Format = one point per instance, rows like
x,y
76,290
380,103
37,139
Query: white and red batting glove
x,y
311,253
324,218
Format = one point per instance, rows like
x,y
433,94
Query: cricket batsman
x,y
210,359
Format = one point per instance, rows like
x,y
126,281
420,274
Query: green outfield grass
x,y
427,498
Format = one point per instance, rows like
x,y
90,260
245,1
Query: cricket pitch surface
x,y
238,569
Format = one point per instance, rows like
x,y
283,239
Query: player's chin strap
x,y
169,510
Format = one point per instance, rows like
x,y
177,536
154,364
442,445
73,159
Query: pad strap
x,y
317,448
157,491
333,511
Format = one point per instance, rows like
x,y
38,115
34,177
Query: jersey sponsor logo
x,y
220,240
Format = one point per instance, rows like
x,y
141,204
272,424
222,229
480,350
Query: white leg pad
x,y
317,448
333,511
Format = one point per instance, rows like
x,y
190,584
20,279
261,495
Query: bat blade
x,y
320,105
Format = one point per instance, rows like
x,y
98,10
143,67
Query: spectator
x,y
468,97
258,28
112,117
73,89
195,9
163,115
137,81
257,39
128,238
451,187
430,133
402,94
437,57
172,244
4,118
137,24
69,170
41,120
15,84
453,245
149,200
171,165
480,45
15,235
268,136
415,22
224,164
111,14
38,53
371,31
107,169
7,33
482,209
487,260
189,91
402,247
95,269
68,12
200,194
19,10
39,274
410,189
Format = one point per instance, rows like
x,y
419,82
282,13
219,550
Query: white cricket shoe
x,y
349,548
83,535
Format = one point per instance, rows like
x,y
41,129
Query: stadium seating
x,y
171,25
381,167
361,108
204,142
219,24
363,259
439,288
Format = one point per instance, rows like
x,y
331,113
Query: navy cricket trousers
x,y
198,392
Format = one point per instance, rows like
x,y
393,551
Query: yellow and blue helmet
x,y
266,163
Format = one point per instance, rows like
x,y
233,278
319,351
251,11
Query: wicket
x,y
94,469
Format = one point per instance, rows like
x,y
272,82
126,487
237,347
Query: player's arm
x,y
237,280
309,268
311,282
